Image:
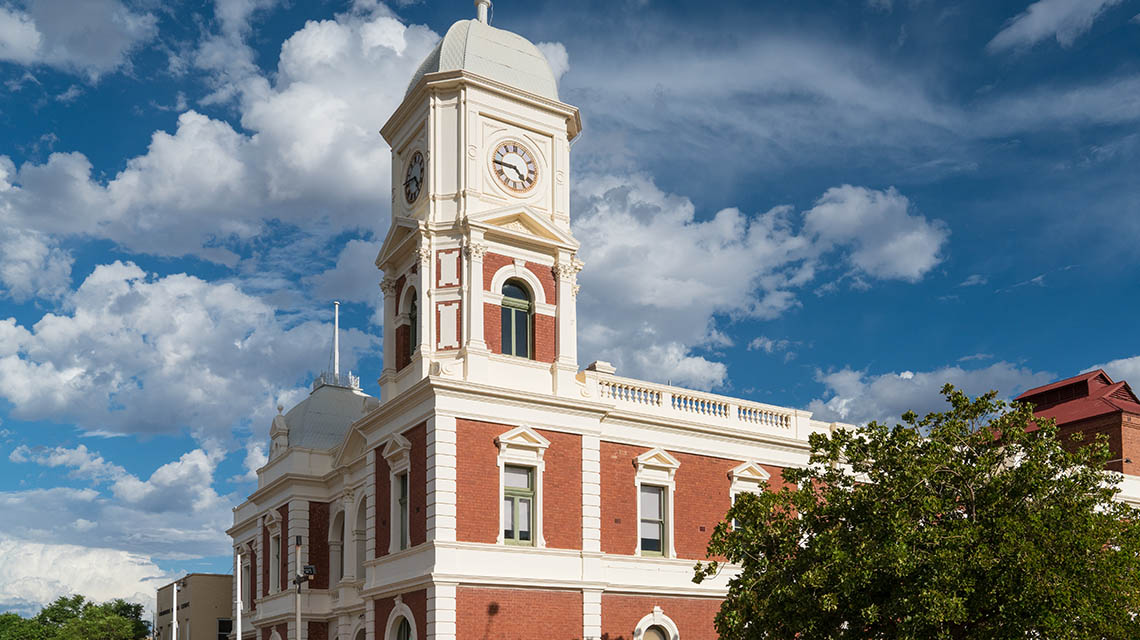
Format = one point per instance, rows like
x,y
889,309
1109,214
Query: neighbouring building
x,y
495,490
1092,404
204,608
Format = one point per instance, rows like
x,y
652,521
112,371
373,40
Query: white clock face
x,y
414,178
514,166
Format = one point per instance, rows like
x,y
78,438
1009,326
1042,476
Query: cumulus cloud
x,y
556,57
33,573
141,354
308,154
859,397
1065,20
91,38
679,274
887,240
32,266
354,278
1127,369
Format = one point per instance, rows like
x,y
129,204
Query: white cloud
x,y
33,574
1065,20
859,397
974,280
1127,369
887,240
354,278
91,38
556,57
138,353
657,278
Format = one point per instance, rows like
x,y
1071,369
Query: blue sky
x,y
831,205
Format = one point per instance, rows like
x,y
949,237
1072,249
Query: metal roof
x,y
492,53
322,420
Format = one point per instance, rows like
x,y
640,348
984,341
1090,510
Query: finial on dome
x,y
280,408
481,7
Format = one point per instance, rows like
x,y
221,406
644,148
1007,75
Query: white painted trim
x,y
541,308
397,452
524,447
657,468
656,618
399,610
746,478
522,273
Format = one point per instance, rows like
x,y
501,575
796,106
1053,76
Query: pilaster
x,y
591,494
441,611
441,476
592,614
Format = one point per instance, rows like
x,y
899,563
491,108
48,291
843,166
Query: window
x,y
245,586
413,327
274,564
336,549
517,320
225,626
518,505
652,519
402,503
655,633
404,630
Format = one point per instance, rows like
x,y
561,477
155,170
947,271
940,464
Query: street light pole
x,y
297,563
174,612
240,604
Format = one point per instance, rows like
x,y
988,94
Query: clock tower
x,y
479,262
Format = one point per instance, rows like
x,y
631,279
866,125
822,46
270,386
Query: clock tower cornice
x,y
447,80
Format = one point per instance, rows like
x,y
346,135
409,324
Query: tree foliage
x,y
75,618
967,524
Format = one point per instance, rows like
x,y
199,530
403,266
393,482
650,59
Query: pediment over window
x,y
657,460
523,438
402,230
523,222
351,449
396,449
272,521
749,471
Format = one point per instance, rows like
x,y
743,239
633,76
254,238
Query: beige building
x,y
203,608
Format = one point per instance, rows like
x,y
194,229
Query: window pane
x,y
508,519
404,632
522,334
651,502
516,477
655,633
651,536
403,487
508,336
524,519
513,290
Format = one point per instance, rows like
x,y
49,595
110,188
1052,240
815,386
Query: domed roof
x,y
492,53
322,420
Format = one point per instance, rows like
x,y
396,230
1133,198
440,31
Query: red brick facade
x,y
701,499
318,631
477,480
383,503
319,544
693,616
265,562
517,614
417,485
545,327
283,572
403,349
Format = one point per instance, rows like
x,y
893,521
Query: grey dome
x,y
492,53
322,420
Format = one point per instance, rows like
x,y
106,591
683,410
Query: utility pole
x,y
304,574
240,604
174,612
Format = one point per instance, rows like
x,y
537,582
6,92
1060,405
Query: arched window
x,y
655,633
413,327
518,320
404,630
336,549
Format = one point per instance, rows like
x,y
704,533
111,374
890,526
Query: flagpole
x,y
237,594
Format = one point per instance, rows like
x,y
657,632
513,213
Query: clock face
x,y
414,178
515,167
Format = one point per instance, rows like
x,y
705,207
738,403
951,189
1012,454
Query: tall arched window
x,y
404,630
413,327
518,320
655,633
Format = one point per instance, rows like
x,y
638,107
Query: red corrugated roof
x,y
1101,399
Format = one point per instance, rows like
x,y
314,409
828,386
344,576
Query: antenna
x,y
331,376
336,339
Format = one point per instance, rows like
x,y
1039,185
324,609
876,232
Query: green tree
x,y
75,618
966,524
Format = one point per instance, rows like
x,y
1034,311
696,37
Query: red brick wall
x,y
283,574
319,544
701,499
318,630
416,601
562,490
477,481
492,262
1110,425
477,485
545,338
1130,444
693,616
452,254
517,614
417,484
253,580
383,505
493,327
403,355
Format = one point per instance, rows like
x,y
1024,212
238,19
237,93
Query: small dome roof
x,y
322,420
492,53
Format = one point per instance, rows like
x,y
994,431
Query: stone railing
x,y
695,406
